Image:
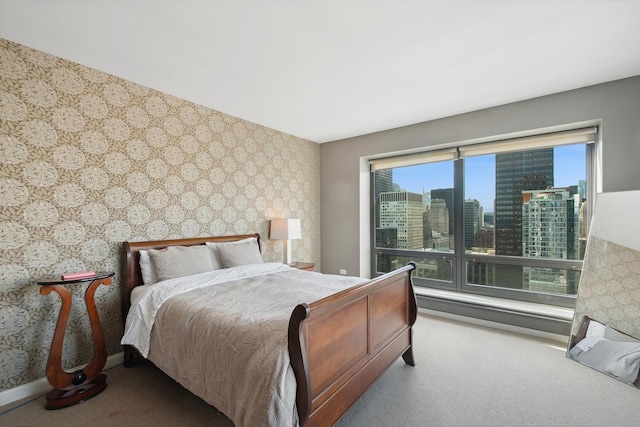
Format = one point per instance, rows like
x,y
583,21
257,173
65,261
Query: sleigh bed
x,y
333,347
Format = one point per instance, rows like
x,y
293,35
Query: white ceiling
x,y
327,70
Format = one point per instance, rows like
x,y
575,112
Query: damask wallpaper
x,y
609,291
89,160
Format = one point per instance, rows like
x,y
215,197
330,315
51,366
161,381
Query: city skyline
x,y
538,214
569,169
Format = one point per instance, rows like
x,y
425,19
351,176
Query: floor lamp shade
x,y
285,229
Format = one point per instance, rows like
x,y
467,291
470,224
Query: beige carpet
x,y
140,396
465,375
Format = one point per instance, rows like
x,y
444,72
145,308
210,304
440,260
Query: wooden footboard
x,y
341,344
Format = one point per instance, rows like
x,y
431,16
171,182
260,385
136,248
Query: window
x,y
505,218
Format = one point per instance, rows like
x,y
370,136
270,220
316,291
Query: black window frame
x,y
459,258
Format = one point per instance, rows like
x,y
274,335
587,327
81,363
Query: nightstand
x,y
70,388
309,266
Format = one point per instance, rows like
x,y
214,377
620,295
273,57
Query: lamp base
x,y
287,251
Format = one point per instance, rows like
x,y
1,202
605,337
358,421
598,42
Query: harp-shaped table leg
x,y
75,387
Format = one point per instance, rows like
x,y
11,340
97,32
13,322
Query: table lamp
x,y
285,229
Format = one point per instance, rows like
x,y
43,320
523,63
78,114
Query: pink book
x,y
78,275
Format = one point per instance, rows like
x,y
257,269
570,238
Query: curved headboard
x,y
131,275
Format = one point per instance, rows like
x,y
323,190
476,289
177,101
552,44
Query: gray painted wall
x,y
344,182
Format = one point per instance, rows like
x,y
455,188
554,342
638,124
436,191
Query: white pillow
x,y
179,261
146,268
215,252
240,252
595,329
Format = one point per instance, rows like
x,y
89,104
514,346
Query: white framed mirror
x,y
606,327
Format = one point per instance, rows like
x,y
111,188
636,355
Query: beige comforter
x,y
227,341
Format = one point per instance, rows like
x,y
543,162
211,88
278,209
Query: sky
x,y
569,168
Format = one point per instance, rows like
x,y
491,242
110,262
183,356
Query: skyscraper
x,y
472,221
383,183
550,230
445,194
517,172
550,224
438,216
403,211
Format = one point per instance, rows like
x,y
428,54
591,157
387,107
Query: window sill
x,y
527,308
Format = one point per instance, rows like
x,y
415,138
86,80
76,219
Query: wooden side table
x,y
309,266
75,387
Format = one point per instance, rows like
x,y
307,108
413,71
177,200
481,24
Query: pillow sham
x,y
146,268
595,329
215,254
240,252
215,249
179,261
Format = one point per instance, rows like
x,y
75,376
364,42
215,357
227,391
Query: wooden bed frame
x,y
338,345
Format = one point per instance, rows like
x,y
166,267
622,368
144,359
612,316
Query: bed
x,y
606,349
335,346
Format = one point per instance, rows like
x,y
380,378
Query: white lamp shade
x,y
285,229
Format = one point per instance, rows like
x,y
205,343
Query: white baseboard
x,y
42,386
